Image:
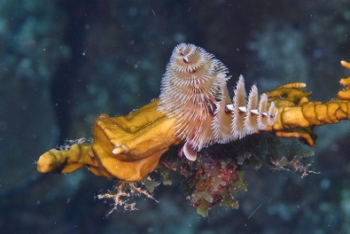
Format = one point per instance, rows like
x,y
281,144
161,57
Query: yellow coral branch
x,y
345,94
65,161
297,114
129,147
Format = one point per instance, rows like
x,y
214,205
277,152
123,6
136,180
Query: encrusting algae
x,y
195,109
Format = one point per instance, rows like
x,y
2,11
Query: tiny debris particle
x,y
153,13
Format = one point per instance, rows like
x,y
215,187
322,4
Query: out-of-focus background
x,y
64,62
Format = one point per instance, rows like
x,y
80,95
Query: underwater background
x,y
65,62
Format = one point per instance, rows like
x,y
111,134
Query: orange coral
x,y
129,147
66,161
345,94
297,114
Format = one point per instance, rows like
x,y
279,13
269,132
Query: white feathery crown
x,y
194,92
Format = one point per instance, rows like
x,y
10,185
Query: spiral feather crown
x,y
194,92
